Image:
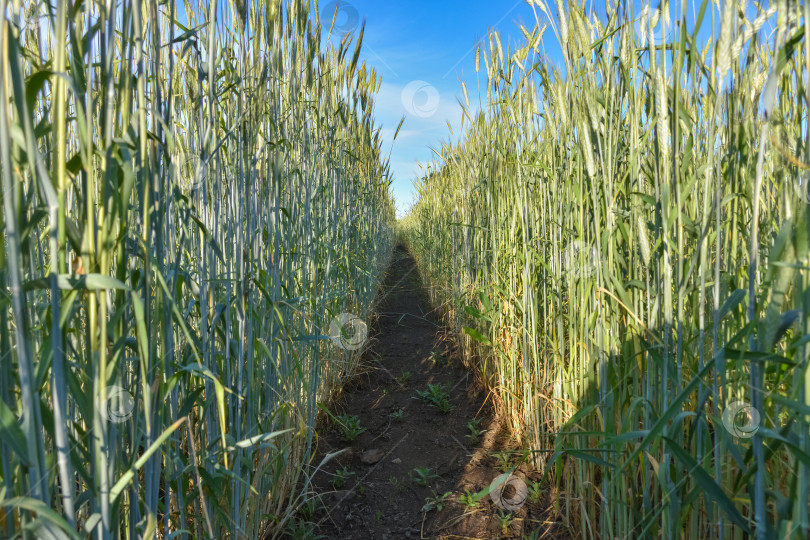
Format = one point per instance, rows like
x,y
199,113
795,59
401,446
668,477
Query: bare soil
x,y
382,499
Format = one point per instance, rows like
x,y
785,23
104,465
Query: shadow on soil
x,y
380,486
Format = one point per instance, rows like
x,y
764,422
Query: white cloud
x,y
415,138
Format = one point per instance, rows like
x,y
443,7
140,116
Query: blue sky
x,y
424,48
421,49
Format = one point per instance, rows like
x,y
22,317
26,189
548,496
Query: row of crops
x,y
193,193
624,248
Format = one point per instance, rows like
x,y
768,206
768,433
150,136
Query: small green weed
x,y
341,476
534,535
438,359
469,500
475,431
396,483
504,521
503,460
436,396
437,502
303,530
307,510
351,427
422,476
535,492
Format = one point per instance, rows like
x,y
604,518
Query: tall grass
x,y
192,192
625,246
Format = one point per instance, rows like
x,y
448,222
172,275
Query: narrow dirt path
x,y
412,450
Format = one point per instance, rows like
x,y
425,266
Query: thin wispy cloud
x,y
421,50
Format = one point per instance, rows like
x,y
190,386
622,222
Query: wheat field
x,y
624,247
181,189
196,200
